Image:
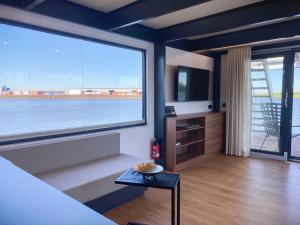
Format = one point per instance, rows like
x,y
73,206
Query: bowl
x,y
148,169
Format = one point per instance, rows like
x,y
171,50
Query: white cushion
x,y
90,180
42,156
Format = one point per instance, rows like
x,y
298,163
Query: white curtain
x,y
238,105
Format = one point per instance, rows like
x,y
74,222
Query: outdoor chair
x,y
272,115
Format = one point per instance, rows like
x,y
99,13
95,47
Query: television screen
x,y
191,84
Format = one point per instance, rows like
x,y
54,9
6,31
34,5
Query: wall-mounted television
x,y
191,84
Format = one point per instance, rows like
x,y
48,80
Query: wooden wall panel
x,y
214,132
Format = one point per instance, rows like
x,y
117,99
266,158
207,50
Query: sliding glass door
x,y
295,129
275,115
266,87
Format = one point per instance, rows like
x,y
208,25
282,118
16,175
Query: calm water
x,y
35,115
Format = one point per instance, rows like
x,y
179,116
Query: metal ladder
x,y
258,98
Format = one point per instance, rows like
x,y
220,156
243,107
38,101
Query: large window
x,y
53,84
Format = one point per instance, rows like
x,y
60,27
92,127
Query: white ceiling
x,y
198,11
103,5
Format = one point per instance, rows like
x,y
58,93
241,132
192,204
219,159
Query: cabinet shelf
x,y
188,141
181,129
196,134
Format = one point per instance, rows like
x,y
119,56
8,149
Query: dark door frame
x,y
286,100
290,91
282,147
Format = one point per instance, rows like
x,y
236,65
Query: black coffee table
x,y
162,180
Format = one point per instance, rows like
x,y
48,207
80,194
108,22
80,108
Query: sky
x,y
276,76
276,80
33,60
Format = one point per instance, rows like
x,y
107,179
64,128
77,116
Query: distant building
x,y
74,92
91,92
104,93
33,92
26,92
99,91
4,88
17,92
55,93
111,92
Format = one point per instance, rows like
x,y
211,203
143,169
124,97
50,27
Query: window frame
x,y
60,133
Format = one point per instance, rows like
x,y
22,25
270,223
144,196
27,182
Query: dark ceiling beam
x,y
30,4
276,47
75,13
181,44
254,14
286,29
69,11
18,3
138,31
142,10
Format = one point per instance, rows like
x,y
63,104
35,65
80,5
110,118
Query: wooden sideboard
x,y
193,137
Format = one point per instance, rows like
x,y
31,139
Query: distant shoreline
x,y
69,97
278,96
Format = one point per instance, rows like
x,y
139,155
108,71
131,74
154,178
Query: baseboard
x,y
267,156
115,199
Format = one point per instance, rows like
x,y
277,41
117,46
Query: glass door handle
x,y
286,100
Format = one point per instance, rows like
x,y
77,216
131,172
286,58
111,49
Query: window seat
x,y
84,166
90,180
26,200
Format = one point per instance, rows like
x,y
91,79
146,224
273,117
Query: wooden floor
x,y
224,190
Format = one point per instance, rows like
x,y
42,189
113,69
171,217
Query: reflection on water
x,y
36,115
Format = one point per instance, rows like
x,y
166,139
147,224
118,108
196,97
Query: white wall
x,y
179,57
175,57
136,140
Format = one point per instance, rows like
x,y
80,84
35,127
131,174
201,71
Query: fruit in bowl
x,y
148,168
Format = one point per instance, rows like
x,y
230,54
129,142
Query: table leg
x,y
178,203
173,207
